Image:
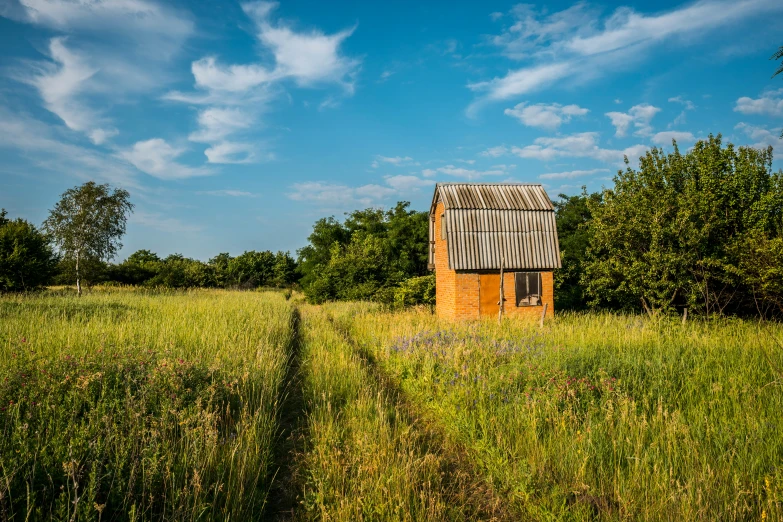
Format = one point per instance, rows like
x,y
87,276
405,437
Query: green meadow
x,y
131,404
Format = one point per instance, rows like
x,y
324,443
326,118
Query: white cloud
x,y
580,145
495,16
521,81
665,138
99,136
689,106
217,123
495,152
49,151
547,116
338,195
469,174
763,137
406,183
308,57
770,103
160,222
333,195
228,192
157,29
210,75
237,94
397,161
113,48
530,31
577,45
232,153
638,115
157,158
571,174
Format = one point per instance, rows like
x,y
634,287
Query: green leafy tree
x,y
137,269
312,258
26,260
357,271
573,219
671,233
777,56
220,264
88,223
252,269
400,235
284,270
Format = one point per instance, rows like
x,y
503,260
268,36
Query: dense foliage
x,y
698,230
26,260
369,256
573,218
252,269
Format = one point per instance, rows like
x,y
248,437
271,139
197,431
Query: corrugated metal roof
x,y
488,222
497,196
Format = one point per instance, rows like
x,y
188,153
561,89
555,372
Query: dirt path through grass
x,y
460,478
364,451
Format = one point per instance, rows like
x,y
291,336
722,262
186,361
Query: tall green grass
x,y
364,459
128,405
600,417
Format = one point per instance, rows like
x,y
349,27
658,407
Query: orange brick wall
x,y
457,293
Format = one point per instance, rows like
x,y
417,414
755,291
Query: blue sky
x,y
236,125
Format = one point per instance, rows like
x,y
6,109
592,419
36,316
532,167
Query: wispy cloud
x,y
579,45
341,196
571,174
159,159
163,223
547,116
237,94
579,145
404,184
495,152
338,195
469,174
762,136
48,150
397,161
228,192
666,137
639,116
687,105
112,49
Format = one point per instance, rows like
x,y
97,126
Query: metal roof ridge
x,y
483,183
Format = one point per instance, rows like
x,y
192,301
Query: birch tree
x,y
88,223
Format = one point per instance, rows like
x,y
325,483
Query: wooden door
x,y
489,294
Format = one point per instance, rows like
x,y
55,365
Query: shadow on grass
x,y
464,486
286,485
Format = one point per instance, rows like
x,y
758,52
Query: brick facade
x,y
457,293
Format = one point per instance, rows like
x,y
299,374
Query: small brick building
x,y
476,227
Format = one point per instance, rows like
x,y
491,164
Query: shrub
x,y
415,291
26,260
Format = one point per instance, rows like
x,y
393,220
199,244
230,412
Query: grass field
x,y
221,405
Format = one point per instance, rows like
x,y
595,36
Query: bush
x,y
415,291
26,260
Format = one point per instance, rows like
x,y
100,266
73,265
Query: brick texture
x,y
457,293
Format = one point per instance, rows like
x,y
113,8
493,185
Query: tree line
x,y
701,229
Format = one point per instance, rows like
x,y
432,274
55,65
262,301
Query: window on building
x,y
443,226
528,288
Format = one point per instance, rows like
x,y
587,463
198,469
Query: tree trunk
x,y
78,279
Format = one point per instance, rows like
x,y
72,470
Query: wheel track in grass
x,y
465,485
282,499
